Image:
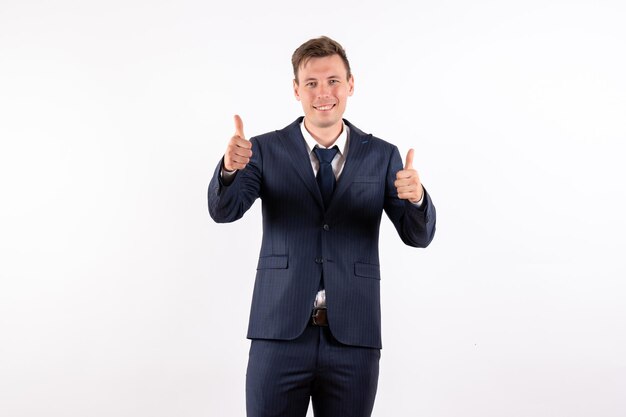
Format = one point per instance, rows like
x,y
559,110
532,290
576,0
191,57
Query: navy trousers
x,y
283,375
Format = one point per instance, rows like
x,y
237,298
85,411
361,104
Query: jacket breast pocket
x,y
366,191
273,262
364,270
366,178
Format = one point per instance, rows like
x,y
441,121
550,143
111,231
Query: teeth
x,y
328,107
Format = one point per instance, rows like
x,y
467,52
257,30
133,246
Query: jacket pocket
x,y
366,178
273,262
367,270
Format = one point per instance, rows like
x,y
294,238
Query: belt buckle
x,y
319,318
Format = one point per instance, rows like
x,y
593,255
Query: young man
x,y
323,183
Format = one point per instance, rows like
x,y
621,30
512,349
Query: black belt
x,y
318,317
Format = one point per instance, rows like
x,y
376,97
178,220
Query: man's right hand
x,y
239,149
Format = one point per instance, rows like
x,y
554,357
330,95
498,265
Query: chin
x,y
326,123
326,120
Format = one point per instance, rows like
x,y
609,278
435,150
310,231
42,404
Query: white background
x,y
120,297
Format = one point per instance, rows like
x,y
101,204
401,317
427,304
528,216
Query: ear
x,y
295,89
351,85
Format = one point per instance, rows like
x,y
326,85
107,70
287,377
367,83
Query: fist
x,y
239,149
408,182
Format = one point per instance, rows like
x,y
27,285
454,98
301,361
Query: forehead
x,y
322,67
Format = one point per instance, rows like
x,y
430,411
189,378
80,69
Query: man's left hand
x,y
408,181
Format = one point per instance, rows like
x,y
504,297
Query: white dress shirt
x,y
340,158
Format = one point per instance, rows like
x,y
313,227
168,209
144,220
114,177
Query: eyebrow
x,y
328,78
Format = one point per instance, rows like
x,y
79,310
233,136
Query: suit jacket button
x,y
319,260
326,227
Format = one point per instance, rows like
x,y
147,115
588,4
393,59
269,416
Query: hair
x,y
318,48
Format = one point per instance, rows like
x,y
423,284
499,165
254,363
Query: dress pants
x,y
283,375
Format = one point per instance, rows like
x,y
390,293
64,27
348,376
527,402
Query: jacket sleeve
x,y
415,225
228,203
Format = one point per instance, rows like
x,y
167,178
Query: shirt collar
x,y
341,141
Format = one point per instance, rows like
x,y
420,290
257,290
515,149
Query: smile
x,y
325,107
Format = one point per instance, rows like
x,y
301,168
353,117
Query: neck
x,y
325,136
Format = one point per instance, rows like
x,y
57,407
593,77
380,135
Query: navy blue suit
x,y
304,241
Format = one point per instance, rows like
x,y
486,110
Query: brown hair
x,y
318,48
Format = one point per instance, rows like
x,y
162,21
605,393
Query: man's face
x,y
323,90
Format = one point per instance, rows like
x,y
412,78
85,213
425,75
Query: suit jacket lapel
x,y
357,150
292,140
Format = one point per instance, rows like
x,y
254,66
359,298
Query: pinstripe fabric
x,y
282,375
302,239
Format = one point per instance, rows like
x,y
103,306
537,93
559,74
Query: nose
x,y
323,90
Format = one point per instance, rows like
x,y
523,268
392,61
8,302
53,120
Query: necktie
x,y
325,176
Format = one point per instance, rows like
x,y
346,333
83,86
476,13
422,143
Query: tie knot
x,y
325,156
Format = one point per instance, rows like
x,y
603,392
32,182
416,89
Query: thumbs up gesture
x,y
408,182
239,151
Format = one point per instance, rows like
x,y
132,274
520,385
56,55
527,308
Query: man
x,y
315,316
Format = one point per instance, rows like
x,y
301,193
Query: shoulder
x,y
264,138
272,137
374,141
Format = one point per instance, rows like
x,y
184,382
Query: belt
x,y
318,317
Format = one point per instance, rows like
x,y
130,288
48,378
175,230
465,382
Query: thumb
x,y
239,127
409,159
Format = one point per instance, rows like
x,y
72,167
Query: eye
x,y
310,84
331,82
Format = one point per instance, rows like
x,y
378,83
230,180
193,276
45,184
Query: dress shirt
x,y
338,161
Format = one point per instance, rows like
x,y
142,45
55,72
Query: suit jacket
x,y
304,241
